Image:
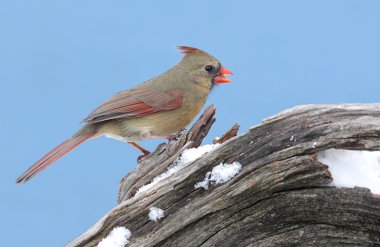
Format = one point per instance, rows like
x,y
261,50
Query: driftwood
x,y
279,198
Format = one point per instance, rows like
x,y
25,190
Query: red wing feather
x,y
134,103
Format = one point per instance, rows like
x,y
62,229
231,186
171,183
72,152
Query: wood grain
x,y
280,197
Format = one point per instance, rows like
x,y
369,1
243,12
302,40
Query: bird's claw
x,y
172,138
146,153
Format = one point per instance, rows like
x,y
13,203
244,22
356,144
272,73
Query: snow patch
x,y
351,168
156,213
117,238
191,154
219,175
187,156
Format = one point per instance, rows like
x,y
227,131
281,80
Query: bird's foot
x,y
172,138
143,150
146,153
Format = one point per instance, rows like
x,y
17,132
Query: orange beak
x,y
221,77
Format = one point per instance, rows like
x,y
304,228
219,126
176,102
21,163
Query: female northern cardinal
x,y
157,108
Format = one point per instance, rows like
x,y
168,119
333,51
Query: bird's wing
x,y
136,102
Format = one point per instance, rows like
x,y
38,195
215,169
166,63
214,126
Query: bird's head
x,y
204,67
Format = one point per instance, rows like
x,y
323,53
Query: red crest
x,y
188,50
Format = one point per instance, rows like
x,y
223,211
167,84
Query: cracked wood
x,y
280,197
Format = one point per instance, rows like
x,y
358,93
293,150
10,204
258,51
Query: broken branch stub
x,y
228,135
165,154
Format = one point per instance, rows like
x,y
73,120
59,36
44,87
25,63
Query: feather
x,y
134,103
189,50
53,156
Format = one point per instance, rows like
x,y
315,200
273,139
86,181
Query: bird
x,y
157,108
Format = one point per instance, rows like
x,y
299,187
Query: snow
x,y
314,144
219,175
156,213
353,168
187,156
191,154
117,238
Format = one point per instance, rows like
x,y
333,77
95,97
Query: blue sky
x,y
60,59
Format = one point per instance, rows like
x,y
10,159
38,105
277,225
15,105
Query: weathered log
x,y
158,161
280,197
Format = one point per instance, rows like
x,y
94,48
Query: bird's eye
x,y
209,68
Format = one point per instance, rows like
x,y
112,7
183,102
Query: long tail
x,y
56,154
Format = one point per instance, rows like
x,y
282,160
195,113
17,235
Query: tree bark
x,y
281,197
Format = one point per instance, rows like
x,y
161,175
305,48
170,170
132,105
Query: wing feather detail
x,y
134,103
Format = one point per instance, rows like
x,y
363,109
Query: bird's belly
x,y
122,132
117,137
158,125
155,126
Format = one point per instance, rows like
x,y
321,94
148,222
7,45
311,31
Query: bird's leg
x,y
144,151
172,138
